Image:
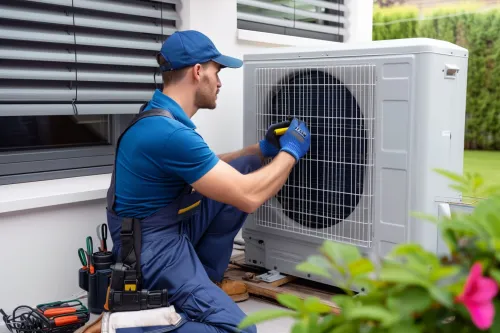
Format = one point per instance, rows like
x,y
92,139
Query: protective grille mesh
x,y
329,192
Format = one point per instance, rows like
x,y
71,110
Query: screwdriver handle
x,y
66,320
59,311
280,131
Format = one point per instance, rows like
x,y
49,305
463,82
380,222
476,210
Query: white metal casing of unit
x,y
413,91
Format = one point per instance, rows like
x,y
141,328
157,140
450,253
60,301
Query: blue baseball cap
x,y
191,47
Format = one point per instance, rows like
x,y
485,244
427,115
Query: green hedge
x,y
478,32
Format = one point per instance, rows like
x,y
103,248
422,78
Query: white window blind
x,y
320,19
64,57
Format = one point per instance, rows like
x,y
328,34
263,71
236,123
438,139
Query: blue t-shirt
x,y
157,156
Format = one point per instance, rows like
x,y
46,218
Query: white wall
x,y
43,224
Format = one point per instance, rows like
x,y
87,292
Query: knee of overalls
x,y
211,306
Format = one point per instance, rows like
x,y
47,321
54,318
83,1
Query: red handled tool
x,y
55,317
68,320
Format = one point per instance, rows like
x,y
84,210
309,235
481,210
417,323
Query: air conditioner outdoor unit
x,y
382,116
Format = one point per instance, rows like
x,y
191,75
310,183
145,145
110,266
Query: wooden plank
x,y
238,271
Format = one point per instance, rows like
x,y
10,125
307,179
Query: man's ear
x,y
196,72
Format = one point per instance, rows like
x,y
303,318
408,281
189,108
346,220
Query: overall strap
x,y
141,115
130,234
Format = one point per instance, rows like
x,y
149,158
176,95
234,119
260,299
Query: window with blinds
x,y
70,73
318,19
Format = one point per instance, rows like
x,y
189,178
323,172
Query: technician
x,y
191,202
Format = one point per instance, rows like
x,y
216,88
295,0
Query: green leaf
x,y
347,327
495,327
314,305
452,176
495,244
413,262
440,295
495,273
340,253
300,327
409,301
344,302
360,267
462,224
405,327
264,315
486,215
461,188
312,322
372,312
416,251
450,239
315,264
401,275
290,301
330,321
444,272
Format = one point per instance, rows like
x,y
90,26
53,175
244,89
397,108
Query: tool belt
x,y
125,291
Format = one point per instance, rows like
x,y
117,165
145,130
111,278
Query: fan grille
x,y
327,193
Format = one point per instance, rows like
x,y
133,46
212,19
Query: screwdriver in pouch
x,y
83,258
90,252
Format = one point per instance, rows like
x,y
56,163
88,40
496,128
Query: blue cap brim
x,y
227,61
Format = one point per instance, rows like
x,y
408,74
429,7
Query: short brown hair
x,y
170,77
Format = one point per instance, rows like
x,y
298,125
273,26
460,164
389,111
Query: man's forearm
x,y
249,150
267,181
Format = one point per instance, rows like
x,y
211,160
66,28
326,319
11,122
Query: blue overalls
x,y
185,247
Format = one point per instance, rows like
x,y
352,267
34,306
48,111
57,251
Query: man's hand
x,y
296,140
270,145
248,192
267,149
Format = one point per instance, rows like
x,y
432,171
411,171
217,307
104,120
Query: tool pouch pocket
x,y
97,284
83,279
98,287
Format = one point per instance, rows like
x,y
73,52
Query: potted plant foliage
x,y
411,290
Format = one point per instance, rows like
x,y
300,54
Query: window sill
x,y
282,40
46,193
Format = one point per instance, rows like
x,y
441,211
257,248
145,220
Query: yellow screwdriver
x,y
277,130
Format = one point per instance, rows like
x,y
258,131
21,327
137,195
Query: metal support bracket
x,y
270,276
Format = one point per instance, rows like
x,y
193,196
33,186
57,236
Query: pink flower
x,y
477,297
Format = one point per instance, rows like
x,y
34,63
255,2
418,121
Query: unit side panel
x,y
250,87
395,77
439,141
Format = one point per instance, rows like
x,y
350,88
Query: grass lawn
x,y
486,163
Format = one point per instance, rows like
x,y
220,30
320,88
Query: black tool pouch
x,y
126,292
97,284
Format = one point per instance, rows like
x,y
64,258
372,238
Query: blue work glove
x,y
268,149
296,140
270,146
